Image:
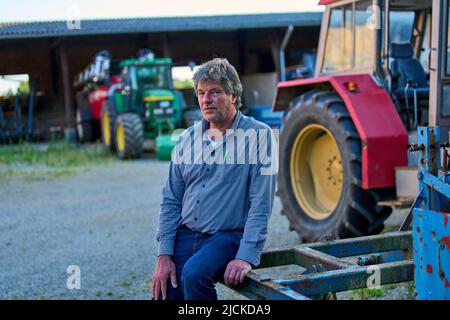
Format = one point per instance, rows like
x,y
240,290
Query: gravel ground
x,y
103,220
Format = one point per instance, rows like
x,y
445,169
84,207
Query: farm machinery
x,y
128,101
382,71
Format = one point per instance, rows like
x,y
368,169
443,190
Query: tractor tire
x,y
319,180
129,136
107,124
85,125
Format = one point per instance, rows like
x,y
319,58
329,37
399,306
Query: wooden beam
x,y
165,46
66,86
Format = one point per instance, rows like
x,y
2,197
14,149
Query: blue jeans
x,y
200,261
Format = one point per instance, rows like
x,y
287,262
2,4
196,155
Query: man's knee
x,y
194,274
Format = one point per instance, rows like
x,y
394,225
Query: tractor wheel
x,y
85,123
129,135
320,172
108,122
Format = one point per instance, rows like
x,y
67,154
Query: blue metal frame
x,y
431,230
14,126
329,268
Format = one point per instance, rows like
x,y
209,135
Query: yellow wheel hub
x,y
120,137
106,129
316,171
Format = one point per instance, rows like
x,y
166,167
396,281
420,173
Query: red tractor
x,y
94,82
346,130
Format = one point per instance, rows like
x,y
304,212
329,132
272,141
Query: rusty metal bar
x,y
256,288
351,278
307,257
364,245
302,256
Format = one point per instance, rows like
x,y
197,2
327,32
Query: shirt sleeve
x,y
261,195
170,211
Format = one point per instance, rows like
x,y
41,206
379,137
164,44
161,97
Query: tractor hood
x,y
158,95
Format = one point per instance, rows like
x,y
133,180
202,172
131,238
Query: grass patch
x,y
373,293
411,288
366,293
58,154
34,163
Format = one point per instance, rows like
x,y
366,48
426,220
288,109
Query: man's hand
x,y
236,271
164,269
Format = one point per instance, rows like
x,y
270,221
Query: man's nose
x,y
207,97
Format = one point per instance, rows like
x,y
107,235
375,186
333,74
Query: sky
x,y
47,10
50,10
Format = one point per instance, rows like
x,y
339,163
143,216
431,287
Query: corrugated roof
x,y
165,24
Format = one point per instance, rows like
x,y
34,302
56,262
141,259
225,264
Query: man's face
x,y
216,106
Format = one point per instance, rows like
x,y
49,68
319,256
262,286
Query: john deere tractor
x,y
143,105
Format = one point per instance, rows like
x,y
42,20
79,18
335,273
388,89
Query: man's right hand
x,y
164,269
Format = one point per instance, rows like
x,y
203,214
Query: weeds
x,y
56,154
366,293
32,162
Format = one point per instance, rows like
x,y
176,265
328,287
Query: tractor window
x,y
400,26
364,35
156,76
339,42
425,50
447,58
445,108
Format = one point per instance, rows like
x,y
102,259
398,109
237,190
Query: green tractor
x,y
143,106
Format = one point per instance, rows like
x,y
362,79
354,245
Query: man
x,y
215,209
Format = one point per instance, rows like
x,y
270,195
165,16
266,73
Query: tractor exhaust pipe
x,y
284,43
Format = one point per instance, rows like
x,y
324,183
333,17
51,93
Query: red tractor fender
x,y
384,138
96,99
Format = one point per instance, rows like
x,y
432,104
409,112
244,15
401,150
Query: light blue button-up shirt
x,y
220,188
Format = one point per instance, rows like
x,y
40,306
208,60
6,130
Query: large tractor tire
x,y
129,136
87,127
108,122
320,172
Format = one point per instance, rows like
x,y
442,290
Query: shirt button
x,y
207,170
203,186
198,201
195,219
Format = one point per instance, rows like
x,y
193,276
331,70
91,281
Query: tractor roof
x,y
325,2
398,4
145,62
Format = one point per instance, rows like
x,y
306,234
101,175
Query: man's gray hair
x,y
220,70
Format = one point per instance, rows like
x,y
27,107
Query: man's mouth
x,y
209,109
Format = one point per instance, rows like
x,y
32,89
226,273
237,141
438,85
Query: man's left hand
x,y
236,271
